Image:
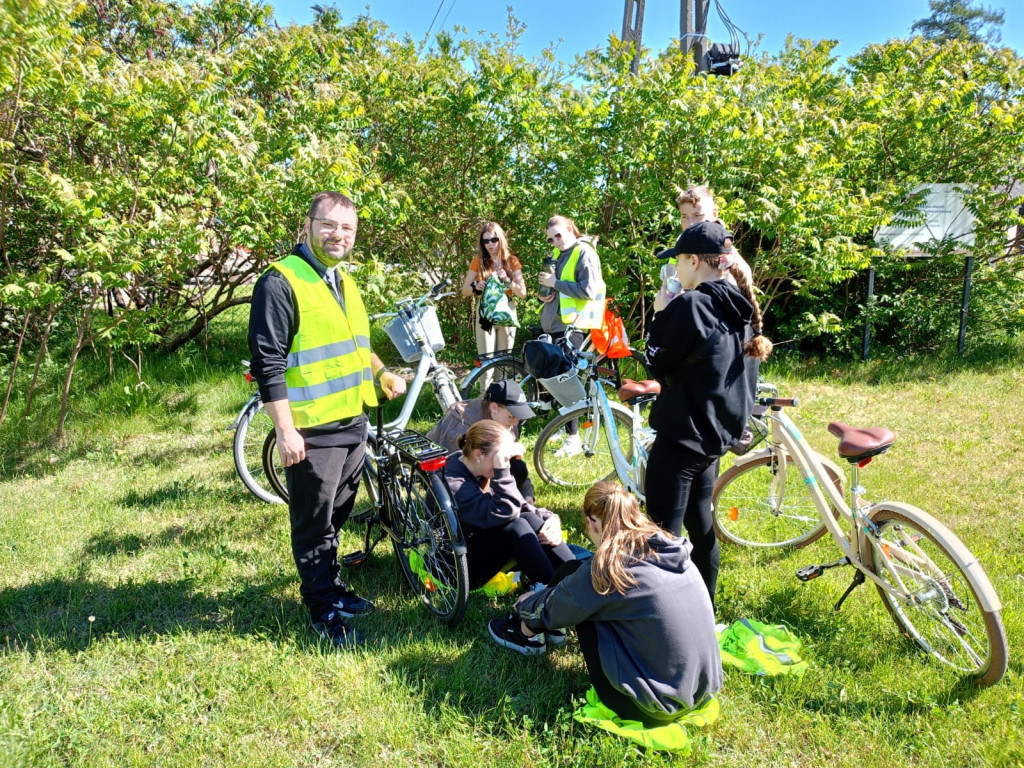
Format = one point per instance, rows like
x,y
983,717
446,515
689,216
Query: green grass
x,y
198,652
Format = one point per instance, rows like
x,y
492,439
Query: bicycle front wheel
x,y
558,462
497,370
937,583
757,505
250,435
428,543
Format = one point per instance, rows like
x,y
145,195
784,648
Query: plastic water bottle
x,y
547,268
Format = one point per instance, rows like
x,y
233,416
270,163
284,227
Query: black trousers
x,y
679,483
617,701
576,337
488,550
321,492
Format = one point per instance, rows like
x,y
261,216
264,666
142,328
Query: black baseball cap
x,y
702,237
508,393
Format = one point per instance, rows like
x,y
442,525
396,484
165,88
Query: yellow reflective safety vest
x,y
328,375
581,313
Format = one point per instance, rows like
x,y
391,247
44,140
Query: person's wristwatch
x,y
380,372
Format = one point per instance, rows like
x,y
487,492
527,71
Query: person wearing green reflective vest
x,y
573,295
309,337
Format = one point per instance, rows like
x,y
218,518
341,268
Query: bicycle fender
x,y
979,579
443,495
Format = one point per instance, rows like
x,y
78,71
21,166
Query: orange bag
x,y
610,339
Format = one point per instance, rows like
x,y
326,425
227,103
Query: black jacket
x,y
695,349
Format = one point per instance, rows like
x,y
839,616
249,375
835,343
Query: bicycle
x,y
933,587
416,334
251,426
508,364
606,452
410,503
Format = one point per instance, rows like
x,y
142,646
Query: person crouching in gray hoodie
x,y
641,611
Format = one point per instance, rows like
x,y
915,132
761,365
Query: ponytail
x,y
625,534
760,346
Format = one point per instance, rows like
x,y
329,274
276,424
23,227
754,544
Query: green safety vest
x,y
328,375
581,313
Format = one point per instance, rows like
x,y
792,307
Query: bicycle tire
x,y
247,449
945,618
497,370
747,511
584,469
429,542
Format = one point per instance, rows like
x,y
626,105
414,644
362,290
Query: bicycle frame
x,y
855,516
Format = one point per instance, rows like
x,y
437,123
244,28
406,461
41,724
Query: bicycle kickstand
x,y
858,579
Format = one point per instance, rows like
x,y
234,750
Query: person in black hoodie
x,y
704,348
498,522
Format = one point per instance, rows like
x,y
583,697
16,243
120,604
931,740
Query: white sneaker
x,y
573,446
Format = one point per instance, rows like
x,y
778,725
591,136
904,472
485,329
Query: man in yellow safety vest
x,y
309,337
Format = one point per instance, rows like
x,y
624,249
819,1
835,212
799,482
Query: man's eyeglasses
x,y
332,226
486,240
558,236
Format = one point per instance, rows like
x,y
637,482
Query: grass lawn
x,y
150,615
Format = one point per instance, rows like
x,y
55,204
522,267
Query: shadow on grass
x,y
181,492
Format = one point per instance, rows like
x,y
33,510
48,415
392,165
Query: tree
x,y
960,20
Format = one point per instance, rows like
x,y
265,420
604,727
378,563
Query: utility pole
x,y
633,29
693,29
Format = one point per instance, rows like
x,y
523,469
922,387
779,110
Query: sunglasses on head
x,y
487,240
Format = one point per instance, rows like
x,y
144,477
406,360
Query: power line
x,y
439,7
445,19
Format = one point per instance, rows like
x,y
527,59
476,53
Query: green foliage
x,y
155,156
960,20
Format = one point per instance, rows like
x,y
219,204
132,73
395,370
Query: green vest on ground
x,y
328,375
580,313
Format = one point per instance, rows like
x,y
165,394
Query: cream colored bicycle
x,y
786,494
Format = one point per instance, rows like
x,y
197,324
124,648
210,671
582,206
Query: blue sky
x,y
584,24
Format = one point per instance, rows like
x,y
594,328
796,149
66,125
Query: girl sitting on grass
x,y
642,614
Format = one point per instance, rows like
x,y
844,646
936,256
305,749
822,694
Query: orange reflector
x,y
248,377
885,548
734,513
430,585
587,424
477,364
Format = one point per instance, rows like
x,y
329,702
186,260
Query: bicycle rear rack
x,y
485,357
415,446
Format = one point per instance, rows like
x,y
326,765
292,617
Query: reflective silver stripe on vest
x,y
332,387
327,351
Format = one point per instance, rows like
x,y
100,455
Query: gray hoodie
x,y
657,642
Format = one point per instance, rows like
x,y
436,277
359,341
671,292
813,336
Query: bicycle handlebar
x,y
434,294
779,402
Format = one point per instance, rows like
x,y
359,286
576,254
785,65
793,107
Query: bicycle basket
x,y
401,329
566,388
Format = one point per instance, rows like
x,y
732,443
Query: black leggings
x,y
679,483
572,427
490,549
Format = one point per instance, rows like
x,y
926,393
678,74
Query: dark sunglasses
x,y
486,240
556,237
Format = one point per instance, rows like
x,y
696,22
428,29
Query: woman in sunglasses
x,y
573,295
493,258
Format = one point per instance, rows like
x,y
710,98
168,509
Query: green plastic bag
x,y
495,305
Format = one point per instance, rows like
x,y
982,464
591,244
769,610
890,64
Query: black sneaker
x,y
506,632
348,604
331,627
555,637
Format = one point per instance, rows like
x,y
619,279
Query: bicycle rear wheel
x,y
557,466
754,506
272,469
497,370
941,580
250,435
429,543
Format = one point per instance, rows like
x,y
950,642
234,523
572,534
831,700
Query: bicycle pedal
x,y
809,572
353,559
